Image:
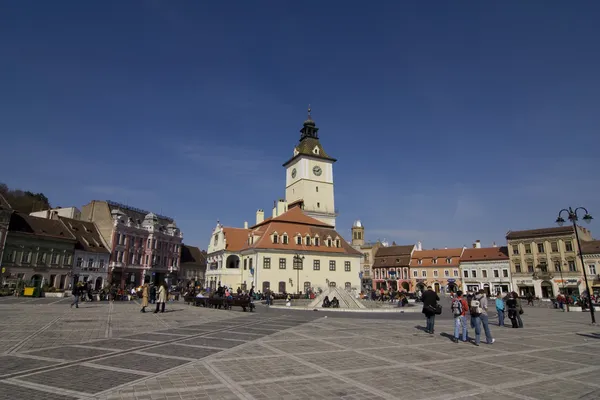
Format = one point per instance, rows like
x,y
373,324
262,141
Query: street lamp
x,y
572,216
298,261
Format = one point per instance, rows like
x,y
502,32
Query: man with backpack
x,y
479,316
459,311
430,306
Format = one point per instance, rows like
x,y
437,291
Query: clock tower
x,y
309,176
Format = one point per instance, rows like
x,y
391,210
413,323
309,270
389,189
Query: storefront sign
x,y
525,281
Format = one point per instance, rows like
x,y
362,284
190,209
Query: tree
x,y
24,201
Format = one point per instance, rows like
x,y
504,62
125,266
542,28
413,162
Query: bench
x,y
242,301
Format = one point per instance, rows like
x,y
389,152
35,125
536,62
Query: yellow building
x,y
544,262
298,248
368,250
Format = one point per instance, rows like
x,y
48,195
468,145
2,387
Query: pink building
x,y
144,246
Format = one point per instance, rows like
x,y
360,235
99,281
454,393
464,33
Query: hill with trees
x,y
24,201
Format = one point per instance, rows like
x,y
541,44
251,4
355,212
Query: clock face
x,y
293,173
317,170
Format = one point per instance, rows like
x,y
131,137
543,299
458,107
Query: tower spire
x,y
309,130
309,117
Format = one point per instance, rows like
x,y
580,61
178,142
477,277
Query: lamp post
x,y
587,218
298,261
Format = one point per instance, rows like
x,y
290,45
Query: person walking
x,y
511,305
76,293
145,295
459,311
500,309
479,316
161,298
430,300
519,310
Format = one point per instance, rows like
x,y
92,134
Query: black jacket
x,y
430,298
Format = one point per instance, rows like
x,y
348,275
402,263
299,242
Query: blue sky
x,y
451,121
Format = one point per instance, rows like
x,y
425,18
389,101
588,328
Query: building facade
x,y
391,268
291,253
485,268
438,268
144,246
192,269
368,250
39,251
544,262
591,258
298,248
5,213
91,257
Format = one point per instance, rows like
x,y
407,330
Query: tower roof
x,y
309,142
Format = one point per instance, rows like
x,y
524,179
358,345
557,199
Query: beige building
x,y
544,262
297,249
290,253
591,258
368,250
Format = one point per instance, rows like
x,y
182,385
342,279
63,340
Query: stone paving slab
x,y
141,362
117,344
181,350
13,392
289,355
212,342
69,353
315,388
81,379
12,364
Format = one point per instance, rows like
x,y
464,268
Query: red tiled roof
x,y
236,238
427,257
485,254
293,223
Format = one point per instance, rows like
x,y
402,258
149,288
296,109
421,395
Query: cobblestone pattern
x,y
112,351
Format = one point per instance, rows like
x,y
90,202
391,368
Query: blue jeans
x,y
500,317
460,324
430,322
477,322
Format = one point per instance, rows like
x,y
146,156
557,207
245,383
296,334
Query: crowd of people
x,y
473,310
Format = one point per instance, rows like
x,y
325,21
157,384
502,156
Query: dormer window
x,y
397,261
449,260
419,261
329,242
284,238
317,241
299,240
316,150
307,240
434,260
338,243
275,238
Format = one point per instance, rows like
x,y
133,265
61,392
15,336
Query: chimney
x,y
494,244
260,216
477,244
419,246
245,224
281,207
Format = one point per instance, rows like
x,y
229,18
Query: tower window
x,y
317,188
318,205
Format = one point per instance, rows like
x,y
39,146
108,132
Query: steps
x,y
346,300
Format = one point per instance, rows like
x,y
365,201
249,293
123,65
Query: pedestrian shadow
x,y
447,336
421,328
590,335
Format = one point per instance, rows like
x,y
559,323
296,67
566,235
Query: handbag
x,y
438,309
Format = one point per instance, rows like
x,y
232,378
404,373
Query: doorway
x,y
282,287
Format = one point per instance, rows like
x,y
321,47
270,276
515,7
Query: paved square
x,y
284,354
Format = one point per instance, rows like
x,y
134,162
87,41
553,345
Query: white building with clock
x,y
296,249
